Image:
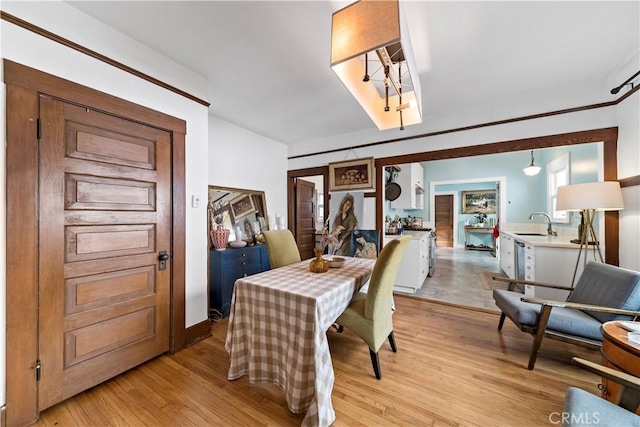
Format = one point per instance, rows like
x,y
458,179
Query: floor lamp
x,y
589,198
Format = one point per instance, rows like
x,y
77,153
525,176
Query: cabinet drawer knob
x,y
244,254
244,275
244,263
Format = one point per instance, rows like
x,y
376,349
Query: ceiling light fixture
x,y
371,54
531,169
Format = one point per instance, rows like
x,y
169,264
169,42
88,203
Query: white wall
x,y
32,50
240,158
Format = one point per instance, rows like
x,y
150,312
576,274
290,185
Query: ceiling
x,y
267,62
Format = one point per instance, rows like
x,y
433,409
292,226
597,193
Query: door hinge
x,y
38,128
38,370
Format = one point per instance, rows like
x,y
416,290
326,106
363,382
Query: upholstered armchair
x,y
603,293
281,247
369,314
585,409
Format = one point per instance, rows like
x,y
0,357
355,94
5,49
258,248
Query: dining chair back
x,y
369,314
281,247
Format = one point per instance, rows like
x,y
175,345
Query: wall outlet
x,y
195,201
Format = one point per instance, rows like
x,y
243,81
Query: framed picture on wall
x,y
479,201
242,206
352,175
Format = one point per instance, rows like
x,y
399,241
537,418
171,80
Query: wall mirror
x,y
243,212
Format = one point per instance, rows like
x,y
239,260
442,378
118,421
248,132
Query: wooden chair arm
x,y
608,373
578,306
526,282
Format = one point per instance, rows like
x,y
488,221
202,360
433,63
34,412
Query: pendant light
x,y
371,32
532,169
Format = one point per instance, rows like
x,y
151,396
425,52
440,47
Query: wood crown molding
x,y
478,126
92,53
630,181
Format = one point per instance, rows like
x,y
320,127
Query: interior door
x,y
444,220
305,217
104,216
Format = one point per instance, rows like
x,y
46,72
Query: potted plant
x,y
481,218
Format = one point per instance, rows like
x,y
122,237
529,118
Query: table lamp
x,y
589,198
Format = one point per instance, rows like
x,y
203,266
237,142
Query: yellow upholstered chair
x,y
282,247
369,314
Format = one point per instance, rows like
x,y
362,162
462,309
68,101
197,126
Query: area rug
x,y
489,284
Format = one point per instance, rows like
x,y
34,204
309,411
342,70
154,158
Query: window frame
x,y
555,168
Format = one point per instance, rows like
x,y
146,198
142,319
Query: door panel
x,y
444,220
104,214
305,217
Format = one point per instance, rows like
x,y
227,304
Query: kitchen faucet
x,y
550,231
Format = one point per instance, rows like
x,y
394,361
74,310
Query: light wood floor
x,y
452,368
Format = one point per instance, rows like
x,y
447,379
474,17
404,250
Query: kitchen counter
x,y
561,241
414,267
546,259
415,234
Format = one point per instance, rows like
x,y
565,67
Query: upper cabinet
x,y
410,178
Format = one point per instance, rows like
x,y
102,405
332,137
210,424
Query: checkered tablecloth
x,y
277,331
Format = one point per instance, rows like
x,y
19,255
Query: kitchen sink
x,y
530,234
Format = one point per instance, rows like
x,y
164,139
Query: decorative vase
x,y
319,264
220,237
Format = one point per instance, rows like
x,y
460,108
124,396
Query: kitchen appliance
x,y
519,262
431,239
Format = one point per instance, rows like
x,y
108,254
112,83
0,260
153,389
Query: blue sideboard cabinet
x,y
225,267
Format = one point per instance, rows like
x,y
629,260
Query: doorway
x,y
437,189
319,177
306,207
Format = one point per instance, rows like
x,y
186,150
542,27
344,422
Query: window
x,y
557,176
320,204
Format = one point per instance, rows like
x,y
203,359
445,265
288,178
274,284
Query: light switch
x,y
195,201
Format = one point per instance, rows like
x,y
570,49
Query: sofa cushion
x,y
565,320
607,286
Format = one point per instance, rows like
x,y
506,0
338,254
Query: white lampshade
x,y
600,196
378,29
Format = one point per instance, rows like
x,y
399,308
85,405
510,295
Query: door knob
x,y
163,256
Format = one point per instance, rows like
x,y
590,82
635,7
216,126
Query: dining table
x,y
277,331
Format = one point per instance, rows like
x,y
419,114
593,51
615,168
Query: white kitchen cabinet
x,y
541,259
411,181
550,265
415,265
507,257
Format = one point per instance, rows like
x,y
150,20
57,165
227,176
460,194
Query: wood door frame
x,y
24,85
608,136
291,191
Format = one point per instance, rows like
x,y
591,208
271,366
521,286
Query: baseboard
x,y
464,307
3,416
198,332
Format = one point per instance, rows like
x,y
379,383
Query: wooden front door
x,y
444,220
104,216
305,217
